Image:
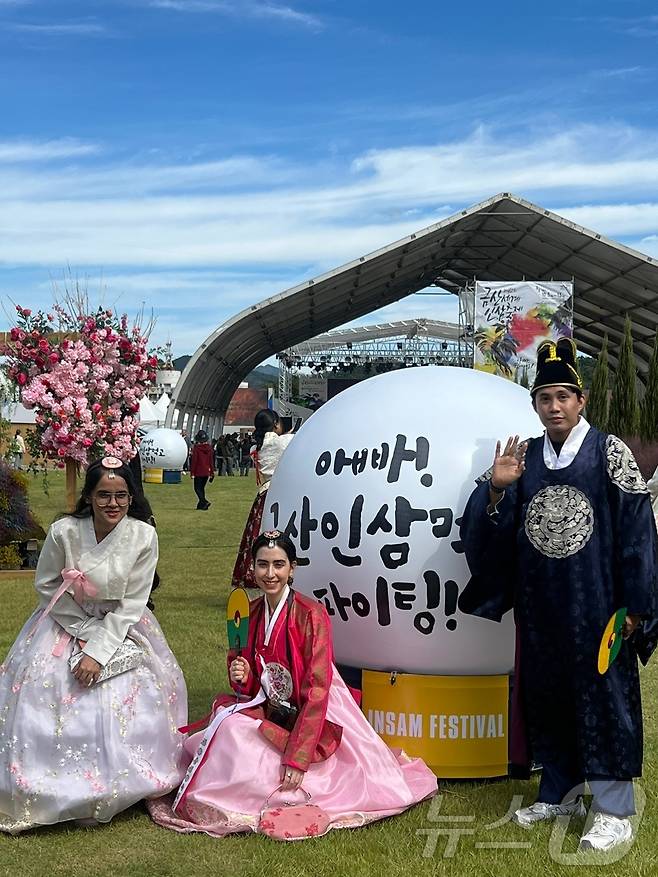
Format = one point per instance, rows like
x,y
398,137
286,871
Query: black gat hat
x,y
557,365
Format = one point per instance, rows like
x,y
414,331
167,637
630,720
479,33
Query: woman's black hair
x,y
139,507
201,437
264,422
272,539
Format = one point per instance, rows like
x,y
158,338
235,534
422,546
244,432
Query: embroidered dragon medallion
x,y
559,521
622,468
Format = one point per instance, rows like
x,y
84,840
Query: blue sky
x,y
199,155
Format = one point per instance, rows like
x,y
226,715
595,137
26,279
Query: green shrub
x,y
9,557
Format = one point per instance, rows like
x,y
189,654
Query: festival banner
x,y
309,385
512,320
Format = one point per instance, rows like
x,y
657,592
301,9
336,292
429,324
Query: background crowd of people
x,y
230,453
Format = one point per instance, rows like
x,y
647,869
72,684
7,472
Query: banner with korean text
x,y
512,320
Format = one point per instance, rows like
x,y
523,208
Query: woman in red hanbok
x,y
296,725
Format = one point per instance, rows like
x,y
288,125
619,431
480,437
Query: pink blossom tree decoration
x,y
84,374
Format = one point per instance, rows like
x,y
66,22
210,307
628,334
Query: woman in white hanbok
x,y
86,740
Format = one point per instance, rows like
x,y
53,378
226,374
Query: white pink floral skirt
x,y
70,752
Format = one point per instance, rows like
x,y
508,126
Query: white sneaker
x,y
541,812
606,832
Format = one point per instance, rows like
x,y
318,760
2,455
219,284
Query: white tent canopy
x,y
148,413
15,412
161,405
502,238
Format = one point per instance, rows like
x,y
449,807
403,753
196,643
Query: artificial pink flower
x,y
71,384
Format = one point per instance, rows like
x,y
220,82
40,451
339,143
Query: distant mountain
x,y
272,370
180,362
263,376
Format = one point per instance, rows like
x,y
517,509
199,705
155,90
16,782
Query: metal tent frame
x,y
405,343
502,238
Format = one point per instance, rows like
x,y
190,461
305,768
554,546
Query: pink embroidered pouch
x,y
289,821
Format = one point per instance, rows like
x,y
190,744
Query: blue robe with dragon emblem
x,y
566,549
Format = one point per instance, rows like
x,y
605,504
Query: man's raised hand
x,y
508,466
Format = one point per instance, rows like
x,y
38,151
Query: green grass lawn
x,y
197,551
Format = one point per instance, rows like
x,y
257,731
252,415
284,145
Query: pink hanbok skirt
x,y
364,780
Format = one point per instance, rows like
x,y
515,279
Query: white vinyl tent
x,y
502,238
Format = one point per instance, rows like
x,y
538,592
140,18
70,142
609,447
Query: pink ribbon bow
x,y
78,582
82,587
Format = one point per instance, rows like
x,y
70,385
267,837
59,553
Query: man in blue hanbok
x,y
561,529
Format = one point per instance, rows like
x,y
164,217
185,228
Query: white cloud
x,y
618,72
419,306
186,5
200,290
35,151
131,179
548,163
243,9
641,27
188,304
199,242
211,297
400,179
615,220
255,211
286,13
182,232
56,29
648,245
634,26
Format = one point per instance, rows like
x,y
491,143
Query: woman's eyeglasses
x,y
104,497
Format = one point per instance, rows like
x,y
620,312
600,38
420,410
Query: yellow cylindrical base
x,y
153,476
458,725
